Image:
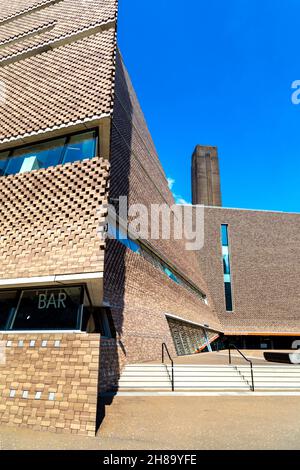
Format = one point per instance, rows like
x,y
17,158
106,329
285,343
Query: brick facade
x,y
139,294
64,365
264,252
49,220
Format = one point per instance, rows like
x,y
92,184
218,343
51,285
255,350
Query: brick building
x,y
76,306
250,263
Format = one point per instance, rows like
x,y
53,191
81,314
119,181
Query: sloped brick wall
x,y
141,295
136,171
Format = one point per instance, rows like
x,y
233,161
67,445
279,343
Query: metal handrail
x,y
163,349
230,346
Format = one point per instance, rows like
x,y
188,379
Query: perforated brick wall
x,y
45,86
49,220
50,381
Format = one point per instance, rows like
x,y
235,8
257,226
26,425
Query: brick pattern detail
x,y
11,9
68,17
59,87
49,220
50,382
112,361
264,252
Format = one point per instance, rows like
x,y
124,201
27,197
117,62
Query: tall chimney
x,y
206,187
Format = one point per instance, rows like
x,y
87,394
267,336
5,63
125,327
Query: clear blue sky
x,y
219,72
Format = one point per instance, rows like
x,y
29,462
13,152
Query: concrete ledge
x,y
287,358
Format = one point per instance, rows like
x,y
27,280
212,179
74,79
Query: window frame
x,y
227,277
67,138
20,290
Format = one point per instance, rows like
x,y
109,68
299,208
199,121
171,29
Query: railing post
x,y
230,346
252,378
173,386
164,347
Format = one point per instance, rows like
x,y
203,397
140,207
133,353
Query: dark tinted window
x,y
49,309
8,301
224,233
98,320
226,264
228,296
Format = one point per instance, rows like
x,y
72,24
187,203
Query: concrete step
x,y
179,367
273,377
196,377
271,368
186,386
183,373
200,380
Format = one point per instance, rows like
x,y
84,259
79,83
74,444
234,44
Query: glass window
x,y
3,162
134,247
121,236
98,320
14,166
8,301
49,309
36,156
226,268
81,146
224,233
170,274
226,264
49,153
228,296
112,231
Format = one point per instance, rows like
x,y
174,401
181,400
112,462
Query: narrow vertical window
x,y
226,268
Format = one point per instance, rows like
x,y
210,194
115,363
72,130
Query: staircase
x,y
187,377
273,377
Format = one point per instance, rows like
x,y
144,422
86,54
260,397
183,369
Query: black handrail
x,y
230,346
163,349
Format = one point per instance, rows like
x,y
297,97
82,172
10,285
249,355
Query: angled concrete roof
x,y
46,51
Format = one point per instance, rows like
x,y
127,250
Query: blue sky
x,y
219,73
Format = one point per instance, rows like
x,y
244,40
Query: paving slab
x,y
179,423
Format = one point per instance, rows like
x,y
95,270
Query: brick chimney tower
x,y
206,187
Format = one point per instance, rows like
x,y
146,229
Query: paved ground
x,y
180,423
221,357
